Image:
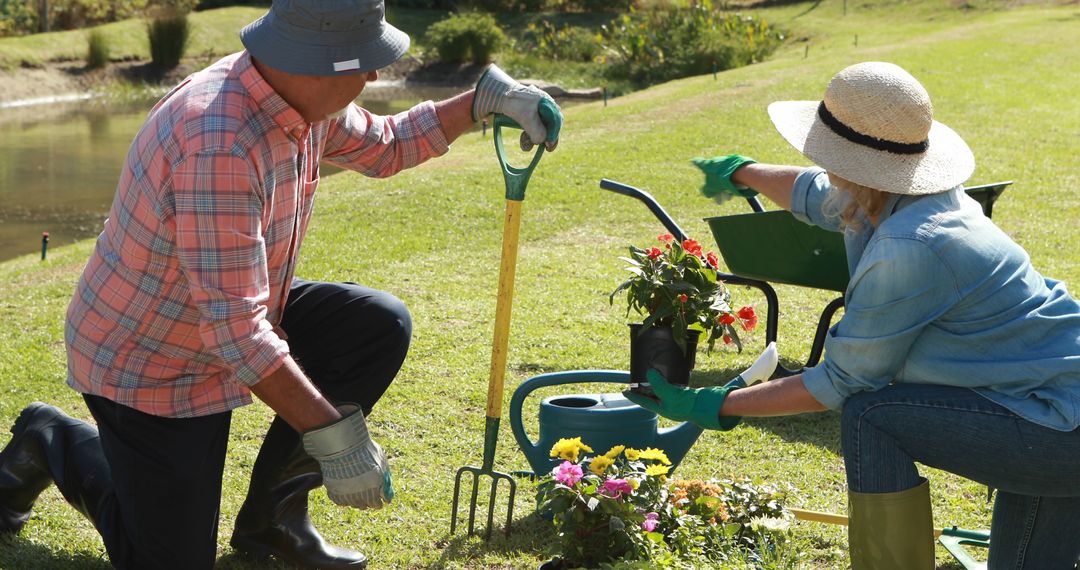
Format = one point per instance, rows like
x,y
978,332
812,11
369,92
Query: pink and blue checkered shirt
x,y
176,310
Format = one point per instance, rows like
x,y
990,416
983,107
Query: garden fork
x,y
516,180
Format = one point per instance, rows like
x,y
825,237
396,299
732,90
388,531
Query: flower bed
x,y
621,510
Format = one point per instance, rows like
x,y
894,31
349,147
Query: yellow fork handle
x,y
511,226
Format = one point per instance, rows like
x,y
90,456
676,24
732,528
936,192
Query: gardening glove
x,y
718,171
354,467
701,406
532,109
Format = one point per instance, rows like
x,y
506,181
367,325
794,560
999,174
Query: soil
x,y
60,79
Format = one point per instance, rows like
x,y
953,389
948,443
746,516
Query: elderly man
x,y
189,303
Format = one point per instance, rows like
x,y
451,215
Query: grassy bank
x,y
1004,79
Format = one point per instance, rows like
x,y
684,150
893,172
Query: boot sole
x,y
261,551
13,520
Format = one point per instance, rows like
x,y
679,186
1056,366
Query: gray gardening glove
x,y
354,467
532,109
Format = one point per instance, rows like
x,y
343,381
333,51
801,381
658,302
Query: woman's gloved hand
x,y
702,405
535,111
353,466
698,405
718,171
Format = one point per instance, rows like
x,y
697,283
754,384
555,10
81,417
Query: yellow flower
x,y
568,448
632,454
614,452
600,464
657,454
634,483
657,470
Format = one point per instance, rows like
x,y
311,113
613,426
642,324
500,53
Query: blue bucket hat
x,y
325,37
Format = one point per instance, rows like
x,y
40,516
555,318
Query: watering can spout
x,y
676,441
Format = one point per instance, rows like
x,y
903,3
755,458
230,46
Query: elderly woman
x,y
952,352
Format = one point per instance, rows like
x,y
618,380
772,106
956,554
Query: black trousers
x,y
167,472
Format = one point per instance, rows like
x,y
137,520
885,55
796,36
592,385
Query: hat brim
x,y
945,164
264,41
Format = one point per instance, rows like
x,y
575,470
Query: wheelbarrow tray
x,y
774,246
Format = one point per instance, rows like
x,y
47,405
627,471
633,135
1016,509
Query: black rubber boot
x,y
48,446
274,518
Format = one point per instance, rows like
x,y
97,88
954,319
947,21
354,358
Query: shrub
x,y
566,44
466,37
97,50
660,45
168,39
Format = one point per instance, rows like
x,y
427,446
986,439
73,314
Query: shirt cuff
x,y
430,127
266,355
806,195
816,380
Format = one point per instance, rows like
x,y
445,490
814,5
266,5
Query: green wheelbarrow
x,y
766,247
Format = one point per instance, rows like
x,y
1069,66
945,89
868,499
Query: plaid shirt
x,y
176,310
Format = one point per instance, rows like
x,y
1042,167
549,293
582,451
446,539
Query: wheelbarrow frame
x,y
986,195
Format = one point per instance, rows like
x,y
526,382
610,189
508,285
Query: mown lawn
x,y
1006,79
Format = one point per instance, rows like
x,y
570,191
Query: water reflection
x,y
59,163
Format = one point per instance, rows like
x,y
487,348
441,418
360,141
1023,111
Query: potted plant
x,y
674,284
620,508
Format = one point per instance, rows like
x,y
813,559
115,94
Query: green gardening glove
x,y
699,405
702,405
718,171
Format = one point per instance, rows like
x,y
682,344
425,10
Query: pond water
x,y
59,163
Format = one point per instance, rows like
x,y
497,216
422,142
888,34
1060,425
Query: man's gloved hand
x,y
718,171
702,405
354,467
534,110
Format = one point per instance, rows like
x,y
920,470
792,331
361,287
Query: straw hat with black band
x,y
875,127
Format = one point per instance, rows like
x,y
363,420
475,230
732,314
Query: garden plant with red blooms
x,y
676,284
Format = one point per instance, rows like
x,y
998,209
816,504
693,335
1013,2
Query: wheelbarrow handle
x,y
654,206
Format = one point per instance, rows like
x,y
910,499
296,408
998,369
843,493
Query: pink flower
x,y
568,473
651,520
616,488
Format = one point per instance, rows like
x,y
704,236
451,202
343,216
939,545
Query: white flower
x,y
770,524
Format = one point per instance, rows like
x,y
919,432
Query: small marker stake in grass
x,y
44,244
714,70
604,91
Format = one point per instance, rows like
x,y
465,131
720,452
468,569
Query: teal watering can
x,y
602,421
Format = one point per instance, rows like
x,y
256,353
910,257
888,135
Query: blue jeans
x,y
1036,470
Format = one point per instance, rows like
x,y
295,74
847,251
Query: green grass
x,y
1004,79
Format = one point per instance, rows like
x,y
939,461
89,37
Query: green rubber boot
x,y
891,531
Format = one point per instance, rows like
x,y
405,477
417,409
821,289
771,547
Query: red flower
x,y
666,238
749,324
727,318
747,312
727,339
692,247
712,259
654,252
683,298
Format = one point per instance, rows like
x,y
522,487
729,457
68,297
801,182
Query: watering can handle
x,y
516,178
554,379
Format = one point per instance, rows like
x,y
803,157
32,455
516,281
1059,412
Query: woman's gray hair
x,y
852,203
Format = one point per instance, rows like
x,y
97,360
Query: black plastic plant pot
x,y
655,347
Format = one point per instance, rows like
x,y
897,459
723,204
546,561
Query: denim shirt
x,y
940,295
